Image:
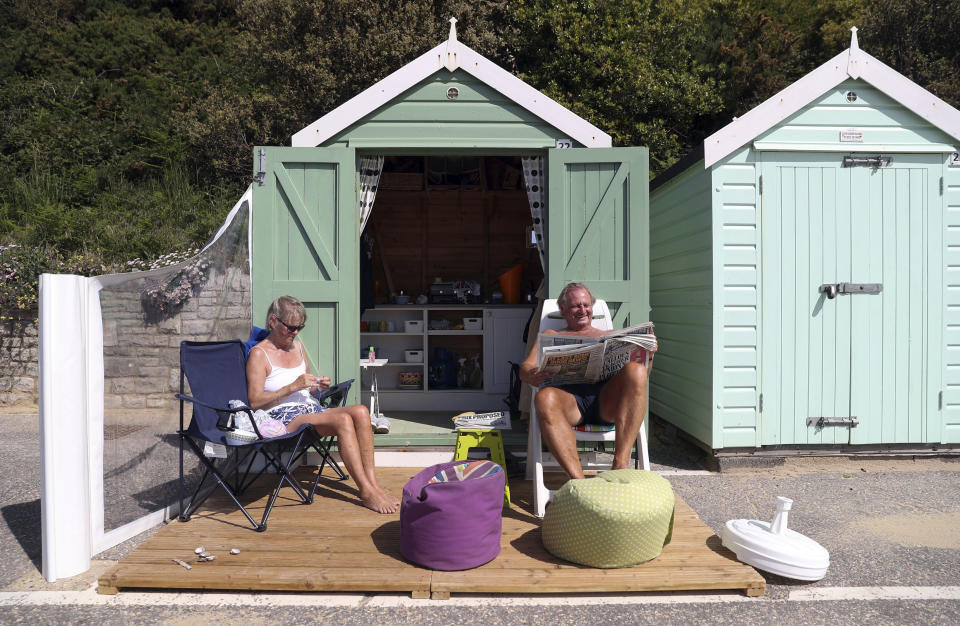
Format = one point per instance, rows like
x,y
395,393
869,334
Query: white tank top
x,y
280,377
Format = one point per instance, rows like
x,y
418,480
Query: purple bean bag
x,y
452,514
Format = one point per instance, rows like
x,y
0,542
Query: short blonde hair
x,y
286,307
562,298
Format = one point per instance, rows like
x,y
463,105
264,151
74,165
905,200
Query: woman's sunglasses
x,y
292,329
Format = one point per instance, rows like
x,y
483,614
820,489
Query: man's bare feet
x,y
379,502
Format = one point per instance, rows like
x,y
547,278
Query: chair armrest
x,y
240,409
331,392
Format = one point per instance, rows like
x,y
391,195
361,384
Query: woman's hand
x,y
321,383
309,381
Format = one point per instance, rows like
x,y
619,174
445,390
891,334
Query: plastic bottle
x,y
373,354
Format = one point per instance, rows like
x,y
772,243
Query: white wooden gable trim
x,y
452,55
851,63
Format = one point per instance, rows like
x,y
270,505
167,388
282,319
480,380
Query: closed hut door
x,y
863,235
305,243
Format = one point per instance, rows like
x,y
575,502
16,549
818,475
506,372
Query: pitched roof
x,y
851,63
451,55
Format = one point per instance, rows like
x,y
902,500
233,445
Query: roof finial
x,y
853,39
453,29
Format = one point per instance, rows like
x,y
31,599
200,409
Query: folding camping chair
x,y
550,318
216,372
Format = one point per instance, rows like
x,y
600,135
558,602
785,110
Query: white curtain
x,y
370,168
533,177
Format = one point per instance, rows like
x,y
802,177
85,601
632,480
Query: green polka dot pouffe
x,y
616,519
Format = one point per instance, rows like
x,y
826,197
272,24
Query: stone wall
x,y
141,358
18,364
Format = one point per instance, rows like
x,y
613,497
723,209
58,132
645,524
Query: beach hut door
x,y
597,226
305,242
847,300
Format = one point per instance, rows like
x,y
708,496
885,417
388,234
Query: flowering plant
x,y
162,300
20,267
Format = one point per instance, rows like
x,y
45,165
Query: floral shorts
x,y
288,412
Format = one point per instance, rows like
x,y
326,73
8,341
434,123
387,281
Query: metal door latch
x,y
820,422
834,289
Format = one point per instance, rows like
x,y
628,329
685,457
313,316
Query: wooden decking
x,y
337,545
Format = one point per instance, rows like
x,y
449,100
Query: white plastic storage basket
x,y
413,326
473,323
413,356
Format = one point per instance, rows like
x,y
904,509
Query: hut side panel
x,y
736,292
681,296
858,106
950,414
449,110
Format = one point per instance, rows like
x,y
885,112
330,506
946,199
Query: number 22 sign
x,y
955,159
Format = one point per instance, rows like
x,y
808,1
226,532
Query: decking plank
x,y
335,544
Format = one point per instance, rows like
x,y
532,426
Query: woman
x,y
279,381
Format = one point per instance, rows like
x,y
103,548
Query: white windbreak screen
x,y
126,331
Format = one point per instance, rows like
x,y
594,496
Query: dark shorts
x,y
588,401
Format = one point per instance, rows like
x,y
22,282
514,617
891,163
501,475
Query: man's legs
x,y
623,402
557,412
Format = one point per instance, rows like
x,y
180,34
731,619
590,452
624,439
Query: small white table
x,y
374,391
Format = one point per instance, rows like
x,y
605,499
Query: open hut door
x,y
598,227
305,243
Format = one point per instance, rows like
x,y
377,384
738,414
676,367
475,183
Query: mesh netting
x,y
145,317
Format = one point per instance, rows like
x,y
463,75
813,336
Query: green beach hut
x,y
474,173
804,270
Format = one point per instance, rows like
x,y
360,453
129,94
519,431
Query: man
x,y
621,400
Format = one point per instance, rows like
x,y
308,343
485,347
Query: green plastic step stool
x,y
490,439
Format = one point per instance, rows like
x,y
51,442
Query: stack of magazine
x,y
571,359
499,420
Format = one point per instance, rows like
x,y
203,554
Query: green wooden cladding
x,y
424,117
680,289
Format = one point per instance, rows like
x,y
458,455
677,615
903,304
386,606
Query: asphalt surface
x,y
890,525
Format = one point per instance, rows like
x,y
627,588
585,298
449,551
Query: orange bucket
x,y
510,284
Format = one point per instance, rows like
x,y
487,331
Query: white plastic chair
x,y
550,319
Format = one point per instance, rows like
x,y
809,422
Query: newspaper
x,y
573,360
499,420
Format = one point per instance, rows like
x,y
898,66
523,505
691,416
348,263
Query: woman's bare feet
x,y
387,494
379,502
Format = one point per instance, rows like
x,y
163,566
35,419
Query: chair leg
x,y
220,480
180,483
285,476
644,451
535,459
321,445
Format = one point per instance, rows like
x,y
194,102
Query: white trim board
x,y
851,63
451,55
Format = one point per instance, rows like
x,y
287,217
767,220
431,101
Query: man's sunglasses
x,y
292,329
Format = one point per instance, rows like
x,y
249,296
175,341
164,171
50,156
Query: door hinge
x,y
941,185
261,175
761,403
761,184
940,400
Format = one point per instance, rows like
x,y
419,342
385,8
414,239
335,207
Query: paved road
x,y
890,527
